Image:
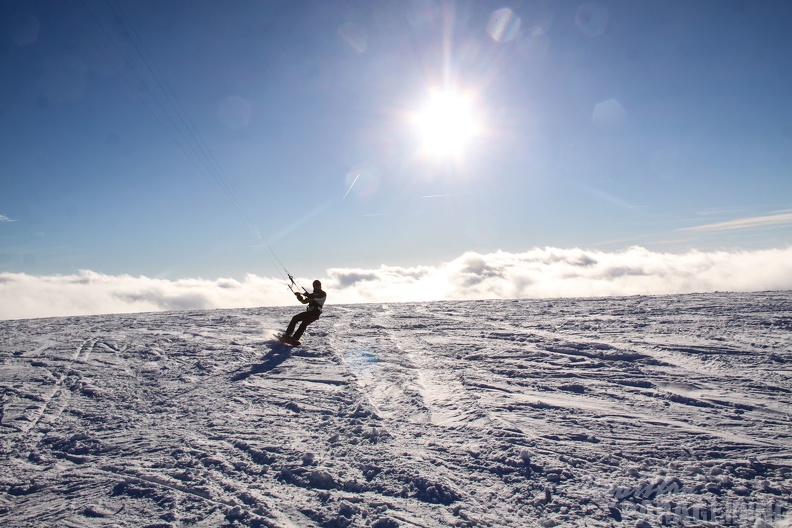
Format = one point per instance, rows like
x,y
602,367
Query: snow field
x,y
638,411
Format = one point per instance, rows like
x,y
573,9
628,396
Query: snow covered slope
x,y
596,412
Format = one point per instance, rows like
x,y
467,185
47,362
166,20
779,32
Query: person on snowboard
x,y
315,302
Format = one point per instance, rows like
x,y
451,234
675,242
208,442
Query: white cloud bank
x,y
25,296
539,273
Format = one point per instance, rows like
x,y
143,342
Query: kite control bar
x,y
294,284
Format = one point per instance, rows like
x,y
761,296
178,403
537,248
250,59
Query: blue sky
x,y
148,138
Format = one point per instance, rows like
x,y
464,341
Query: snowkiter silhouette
x,y
315,302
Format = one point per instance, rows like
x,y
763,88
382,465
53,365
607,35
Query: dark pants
x,y
304,318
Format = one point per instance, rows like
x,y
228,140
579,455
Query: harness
x,y
315,305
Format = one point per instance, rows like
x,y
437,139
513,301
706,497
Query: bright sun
x,y
446,124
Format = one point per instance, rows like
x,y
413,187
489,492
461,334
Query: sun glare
x,y
446,124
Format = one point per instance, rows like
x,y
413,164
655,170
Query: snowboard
x,y
290,341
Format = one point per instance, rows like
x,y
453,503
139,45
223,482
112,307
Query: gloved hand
x,y
298,295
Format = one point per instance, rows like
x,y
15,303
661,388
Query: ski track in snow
x,y
637,411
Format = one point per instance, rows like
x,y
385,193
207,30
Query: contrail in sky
x,y
744,223
352,185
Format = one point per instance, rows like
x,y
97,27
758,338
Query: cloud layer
x,y
87,293
552,272
539,273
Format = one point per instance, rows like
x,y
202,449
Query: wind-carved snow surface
x,y
636,411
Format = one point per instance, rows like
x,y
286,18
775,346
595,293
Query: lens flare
x,y
609,113
23,29
592,19
362,181
503,25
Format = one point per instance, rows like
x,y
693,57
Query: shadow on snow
x,y
277,355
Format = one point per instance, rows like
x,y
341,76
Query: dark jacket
x,y
315,300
